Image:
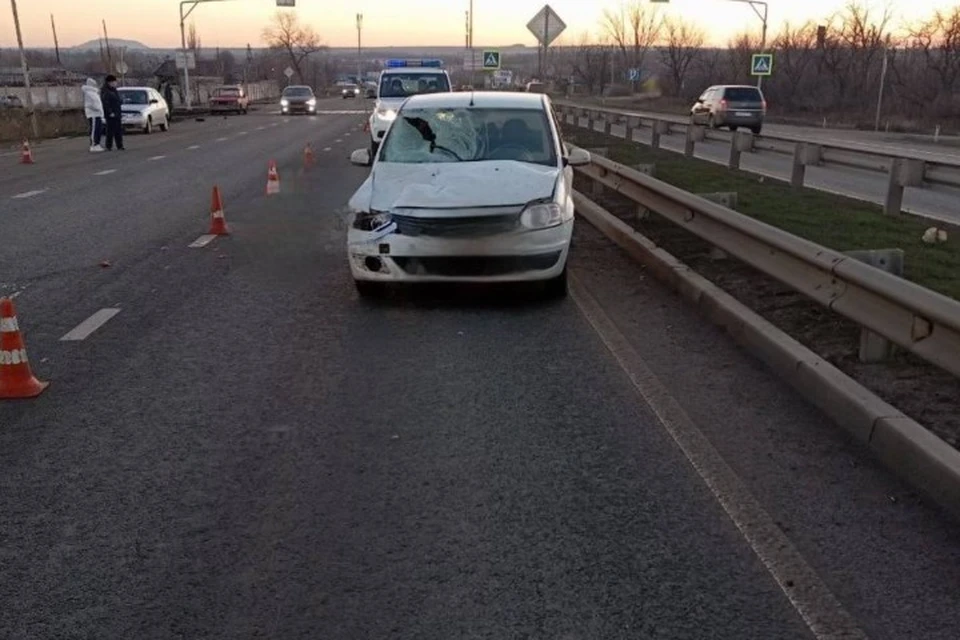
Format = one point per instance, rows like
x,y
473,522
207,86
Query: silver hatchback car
x,y
731,106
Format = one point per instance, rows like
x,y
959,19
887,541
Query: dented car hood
x,y
453,185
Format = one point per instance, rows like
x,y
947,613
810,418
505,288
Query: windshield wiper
x,y
423,128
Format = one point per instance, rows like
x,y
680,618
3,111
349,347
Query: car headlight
x,y
541,215
312,102
284,103
386,114
372,221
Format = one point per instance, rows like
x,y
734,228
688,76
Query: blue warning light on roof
x,y
398,64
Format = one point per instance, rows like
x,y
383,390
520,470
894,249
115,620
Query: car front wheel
x,y
148,129
165,126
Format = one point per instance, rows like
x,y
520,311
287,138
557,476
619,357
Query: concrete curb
x,y
907,448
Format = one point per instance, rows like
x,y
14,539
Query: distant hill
x,y
94,45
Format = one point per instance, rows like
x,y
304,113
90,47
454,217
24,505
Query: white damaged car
x,y
466,187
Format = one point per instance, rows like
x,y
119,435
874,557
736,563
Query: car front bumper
x,y
298,107
519,256
134,122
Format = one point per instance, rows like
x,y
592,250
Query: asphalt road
x,y
940,203
247,450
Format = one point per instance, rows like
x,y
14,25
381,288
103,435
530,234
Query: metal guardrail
x,y
903,169
921,321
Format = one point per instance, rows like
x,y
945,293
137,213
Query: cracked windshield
x,y
604,320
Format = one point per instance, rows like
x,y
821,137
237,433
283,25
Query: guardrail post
x,y
695,134
660,127
607,124
903,173
799,166
597,186
874,347
740,142
628,132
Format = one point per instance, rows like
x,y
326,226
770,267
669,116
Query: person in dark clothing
x,y
112,112
168,96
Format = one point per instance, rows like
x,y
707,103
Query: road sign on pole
x,y
761,64
546,26
186,60
633,75
491,60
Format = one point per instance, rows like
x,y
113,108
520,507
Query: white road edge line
x,y
819,608
28,194
83,330
105,172
202,241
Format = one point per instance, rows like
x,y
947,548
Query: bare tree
x,y
295,40
937,40
683,43
193,41
590,64
796,53
633,28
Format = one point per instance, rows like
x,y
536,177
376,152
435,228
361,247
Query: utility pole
x,y
106,39
26,71
359,51
883,82
56,42
473,55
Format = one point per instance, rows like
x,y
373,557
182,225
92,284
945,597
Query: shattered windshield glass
x,y
470,135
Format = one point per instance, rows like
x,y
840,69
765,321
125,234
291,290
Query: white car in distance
x,y
143,109
466,187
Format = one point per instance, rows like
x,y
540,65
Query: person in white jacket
x,y
93,109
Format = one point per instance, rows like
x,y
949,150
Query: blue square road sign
x,y
761,64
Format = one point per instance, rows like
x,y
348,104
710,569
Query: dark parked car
x,y
731,106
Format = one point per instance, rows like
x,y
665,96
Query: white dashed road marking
x,y
105,172
339,140
326,148
155,158
202,241
260,128
83,330
192,147
220,139
28,194
243,133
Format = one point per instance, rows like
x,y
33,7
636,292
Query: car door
x,y
159,109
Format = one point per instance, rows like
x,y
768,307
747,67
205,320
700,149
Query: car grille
x,y
476,266
471,227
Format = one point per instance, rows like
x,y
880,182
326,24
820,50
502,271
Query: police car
x,y
400,80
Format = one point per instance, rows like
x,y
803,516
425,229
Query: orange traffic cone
x,y
16,379
218,224
26,156
308,158
273,179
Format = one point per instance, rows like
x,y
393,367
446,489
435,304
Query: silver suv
x,y
730,106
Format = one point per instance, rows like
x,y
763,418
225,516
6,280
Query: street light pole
x,y
763,37
359,51
26,71
183,45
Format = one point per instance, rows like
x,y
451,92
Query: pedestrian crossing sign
x,y
491,60
761,64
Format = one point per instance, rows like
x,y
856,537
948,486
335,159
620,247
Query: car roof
x,y
135,89
479,99
299,86
414,69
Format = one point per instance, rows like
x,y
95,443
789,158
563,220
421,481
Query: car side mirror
x,y
360,157
154,101
577,157
380,134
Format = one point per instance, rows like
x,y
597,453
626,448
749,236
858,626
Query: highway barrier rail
x,y
906,169
917,319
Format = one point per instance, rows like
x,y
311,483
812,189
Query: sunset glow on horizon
x,y
235,23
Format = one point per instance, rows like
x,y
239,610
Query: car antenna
x,y
471,97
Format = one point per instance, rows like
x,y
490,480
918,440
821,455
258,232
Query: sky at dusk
x,y
235,23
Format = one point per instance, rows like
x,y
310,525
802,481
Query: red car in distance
x,y
229,99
